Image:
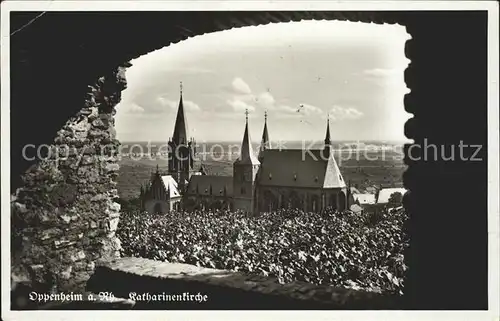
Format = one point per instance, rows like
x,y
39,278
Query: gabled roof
x,y
364,199
201,184
300,168
385,194
170,185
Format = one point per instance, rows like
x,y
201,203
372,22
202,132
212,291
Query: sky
x,y
301,73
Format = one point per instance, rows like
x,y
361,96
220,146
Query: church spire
x,y
265,144
327,137
180,128
328,143
247,155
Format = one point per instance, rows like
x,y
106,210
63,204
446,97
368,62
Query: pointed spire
x,y
247,155
265,144
180,128
327,137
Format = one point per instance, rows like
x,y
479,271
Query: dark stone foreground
x,y
222,289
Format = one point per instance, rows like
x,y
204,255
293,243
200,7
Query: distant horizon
x,y
291,141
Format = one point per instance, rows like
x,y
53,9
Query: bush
x,y
341,249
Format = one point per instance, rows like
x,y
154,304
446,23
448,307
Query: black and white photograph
x,y
250,156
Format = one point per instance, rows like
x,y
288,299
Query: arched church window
x,y
157,208
270,176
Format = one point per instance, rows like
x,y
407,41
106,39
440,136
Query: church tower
x,y
181,150
245,170
264,143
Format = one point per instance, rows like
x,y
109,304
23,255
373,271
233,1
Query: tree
x,y
396,199
130,205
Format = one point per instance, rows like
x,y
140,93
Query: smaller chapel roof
x,y
170,185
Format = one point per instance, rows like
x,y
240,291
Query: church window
x,y
316,178
270,176
294,176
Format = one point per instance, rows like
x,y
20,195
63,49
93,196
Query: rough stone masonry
x,y
64,216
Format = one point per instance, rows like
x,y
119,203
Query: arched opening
x,y
158,208
333,201
79,64
270,201
295,200
194,109
342,201
314,203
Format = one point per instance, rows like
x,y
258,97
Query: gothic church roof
x,y
299,168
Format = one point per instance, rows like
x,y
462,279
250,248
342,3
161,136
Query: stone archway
x,y
43,55
89,85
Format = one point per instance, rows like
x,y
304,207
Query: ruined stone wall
x,y
64,216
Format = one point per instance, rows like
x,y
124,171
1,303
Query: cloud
x,y
309,109
187,70
266,100
240,86
130,108
342,113
381,72
188,105
239,105
286,109
191,106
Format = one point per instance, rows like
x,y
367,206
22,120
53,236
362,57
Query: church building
x,y
161,194
309,179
